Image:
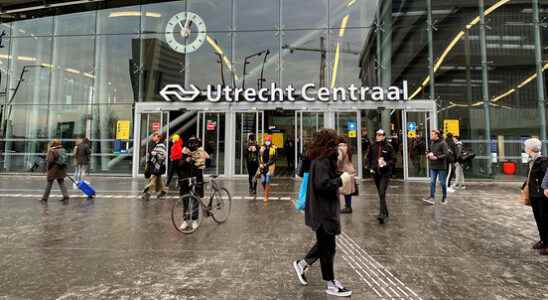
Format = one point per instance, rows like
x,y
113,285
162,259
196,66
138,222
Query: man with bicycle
x,y
194,157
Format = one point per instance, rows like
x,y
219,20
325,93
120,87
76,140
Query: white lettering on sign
x,y
273,93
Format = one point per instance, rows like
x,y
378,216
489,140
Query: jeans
x,y
381,182
348,201
174,168
324,249
62,187
459,175
442,179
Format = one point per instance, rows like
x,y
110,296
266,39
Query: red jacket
x,y
177,150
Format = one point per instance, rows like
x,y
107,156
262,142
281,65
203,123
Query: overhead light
x,y
48,6
47,65
26,58
89,75
125,14
74,71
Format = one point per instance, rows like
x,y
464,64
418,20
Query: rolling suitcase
x,y
84,186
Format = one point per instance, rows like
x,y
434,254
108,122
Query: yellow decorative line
x,y
220,51
351,3
454,42
342,29
335,66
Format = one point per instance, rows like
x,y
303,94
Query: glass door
x,y
247,123
306,124
211,131
151,122
416,138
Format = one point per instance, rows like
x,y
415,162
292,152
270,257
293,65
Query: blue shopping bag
x,y
301,201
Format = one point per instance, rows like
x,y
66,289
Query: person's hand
x,y
346,178
433,157
546,193
188,159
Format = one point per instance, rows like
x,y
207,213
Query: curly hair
x,y
324,144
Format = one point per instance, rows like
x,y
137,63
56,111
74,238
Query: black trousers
x,y
324,250
252,168
174,168
540,210
381,181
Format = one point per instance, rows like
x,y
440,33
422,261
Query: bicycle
x,y
190,207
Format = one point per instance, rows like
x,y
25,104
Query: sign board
x,y
352,133
211,125
412,126
277,139
451,126
411,134
156,126
122,130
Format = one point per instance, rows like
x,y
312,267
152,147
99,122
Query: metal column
x,y
485,85
429,28
540,74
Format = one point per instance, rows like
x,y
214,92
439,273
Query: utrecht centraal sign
x,y
308,92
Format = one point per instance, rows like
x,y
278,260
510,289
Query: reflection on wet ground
x,y
117,246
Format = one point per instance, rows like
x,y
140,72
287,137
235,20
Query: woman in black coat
x,y
322,210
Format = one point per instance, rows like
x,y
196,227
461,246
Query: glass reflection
x,y
154,17
251,50
304,14
256,14
305,58
117,68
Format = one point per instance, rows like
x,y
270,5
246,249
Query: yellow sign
x,y
451,126
352,133
277,139
411,134
122,130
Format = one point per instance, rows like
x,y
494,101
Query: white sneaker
x,y
335,288
299,269
451,190
74,186
184,226
194,225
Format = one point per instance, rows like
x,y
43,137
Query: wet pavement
x,y
119,247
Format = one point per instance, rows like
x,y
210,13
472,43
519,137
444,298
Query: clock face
x,y
185,32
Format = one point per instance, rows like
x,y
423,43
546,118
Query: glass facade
x,y
78,70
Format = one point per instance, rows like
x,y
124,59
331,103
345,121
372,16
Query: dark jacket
x,y
440,150
252,157
56,168
82,154
322,201
386,152
538,170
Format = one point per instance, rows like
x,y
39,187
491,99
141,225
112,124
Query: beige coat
x,y
345,165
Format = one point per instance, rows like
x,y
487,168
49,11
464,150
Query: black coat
x,y
387,152
538,170
322,201
440,150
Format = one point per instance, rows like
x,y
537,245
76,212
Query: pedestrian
x,y
194,163
57,163
289,148
437,155
195,157
82,154
175,159
268,155
381,161
252,162
537,186
344,164
459,165
451,160
322,210
157,166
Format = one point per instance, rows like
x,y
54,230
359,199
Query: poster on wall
x,y
451,126
122,130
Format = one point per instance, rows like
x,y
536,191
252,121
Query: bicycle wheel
x,y
186,213
220,205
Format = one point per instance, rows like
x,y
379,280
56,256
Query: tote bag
x,y
301,201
